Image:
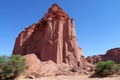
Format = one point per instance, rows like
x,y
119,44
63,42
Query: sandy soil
x,y
74,78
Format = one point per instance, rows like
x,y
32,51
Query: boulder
x,y
33,63
38,68
48,68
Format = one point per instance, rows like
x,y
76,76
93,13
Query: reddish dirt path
x,y
73,78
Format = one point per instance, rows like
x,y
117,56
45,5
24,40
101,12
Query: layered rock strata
x,y
52,38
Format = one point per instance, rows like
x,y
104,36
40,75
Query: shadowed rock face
x,y
53,38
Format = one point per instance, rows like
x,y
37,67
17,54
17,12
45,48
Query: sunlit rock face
x,y
112,54
52,38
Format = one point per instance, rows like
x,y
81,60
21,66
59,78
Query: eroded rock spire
x,y
53,38
55,12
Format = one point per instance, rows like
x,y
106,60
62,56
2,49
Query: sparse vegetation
x,y
11,67
106,68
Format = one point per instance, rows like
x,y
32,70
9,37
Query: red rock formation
x,y
53,38
94,59
112,54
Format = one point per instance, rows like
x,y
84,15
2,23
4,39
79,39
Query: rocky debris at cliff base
x,y
38,69
33,63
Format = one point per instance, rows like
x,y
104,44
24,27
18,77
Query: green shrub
x,y
11,67
104,68
116,69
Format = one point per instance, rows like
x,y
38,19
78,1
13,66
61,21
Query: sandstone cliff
x,y
112,54
53,38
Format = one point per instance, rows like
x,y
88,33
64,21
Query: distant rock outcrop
x,y
112,54
53,38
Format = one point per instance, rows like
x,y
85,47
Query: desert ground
x,y
74,78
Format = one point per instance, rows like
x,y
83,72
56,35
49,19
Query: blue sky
x,y
97,22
